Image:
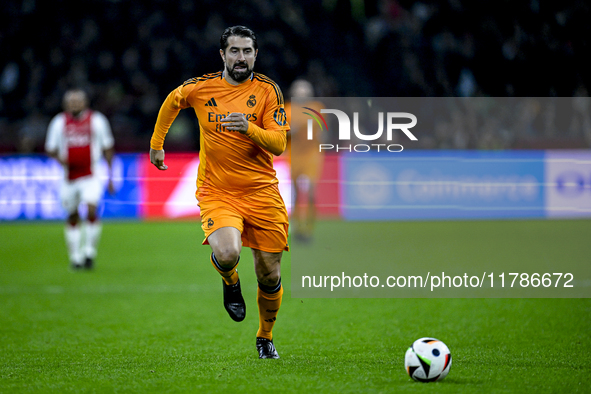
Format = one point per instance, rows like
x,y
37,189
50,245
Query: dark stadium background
x,y
149,318
130,54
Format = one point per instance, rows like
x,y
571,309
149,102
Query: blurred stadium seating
x,y
130,54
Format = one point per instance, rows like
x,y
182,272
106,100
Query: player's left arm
x,y
109,154
107,144
272,136
273,141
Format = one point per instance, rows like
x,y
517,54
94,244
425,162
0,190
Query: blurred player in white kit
x,y
78,138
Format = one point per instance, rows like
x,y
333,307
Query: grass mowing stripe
x,y
150,319
188,288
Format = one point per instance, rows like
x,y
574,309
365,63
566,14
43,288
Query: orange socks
x,y
230,276
269,302
268,298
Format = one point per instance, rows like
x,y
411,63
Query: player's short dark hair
x,y
76,90
240,31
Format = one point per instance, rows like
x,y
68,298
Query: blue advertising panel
x,y
30,188
442,185
568,183
127,178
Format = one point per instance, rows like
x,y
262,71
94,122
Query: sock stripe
x,y
215,261
270,289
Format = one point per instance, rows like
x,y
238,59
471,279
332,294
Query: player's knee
x,y
227,257
92,213
73,218
270,279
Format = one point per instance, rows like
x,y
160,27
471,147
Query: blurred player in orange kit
x,y
79,138
306,159
242,125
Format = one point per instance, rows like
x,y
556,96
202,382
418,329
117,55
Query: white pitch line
x,y
101,289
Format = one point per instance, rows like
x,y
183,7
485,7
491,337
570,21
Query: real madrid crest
x,y
251,101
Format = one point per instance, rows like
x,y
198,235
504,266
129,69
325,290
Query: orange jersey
x,y
230,162
304,155
297,141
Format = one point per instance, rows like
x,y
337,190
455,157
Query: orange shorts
x,y
261,218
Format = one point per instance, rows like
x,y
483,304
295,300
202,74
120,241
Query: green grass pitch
x,y
150,318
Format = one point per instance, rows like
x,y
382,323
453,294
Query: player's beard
x,y
239,76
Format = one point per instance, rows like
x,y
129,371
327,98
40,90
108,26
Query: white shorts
x,y
88,190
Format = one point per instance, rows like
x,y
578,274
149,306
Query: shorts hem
x,y
268,250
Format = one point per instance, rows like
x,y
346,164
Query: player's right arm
x,y
176,100
53,140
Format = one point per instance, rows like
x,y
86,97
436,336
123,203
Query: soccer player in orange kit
x,y
242,125
305,158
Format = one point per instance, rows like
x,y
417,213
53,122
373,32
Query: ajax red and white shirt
x,y
79,141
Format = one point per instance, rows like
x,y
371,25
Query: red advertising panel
x,y
327,191
171,193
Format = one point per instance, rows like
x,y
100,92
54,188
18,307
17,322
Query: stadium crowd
x,y
128,55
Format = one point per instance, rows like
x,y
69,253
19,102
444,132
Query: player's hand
x,y
157,158
236,122
111,187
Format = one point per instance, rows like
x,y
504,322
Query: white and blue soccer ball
x,y
427,360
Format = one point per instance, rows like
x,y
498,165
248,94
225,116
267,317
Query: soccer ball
x,y
427,360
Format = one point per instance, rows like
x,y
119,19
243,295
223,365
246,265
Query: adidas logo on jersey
x,y
211,103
